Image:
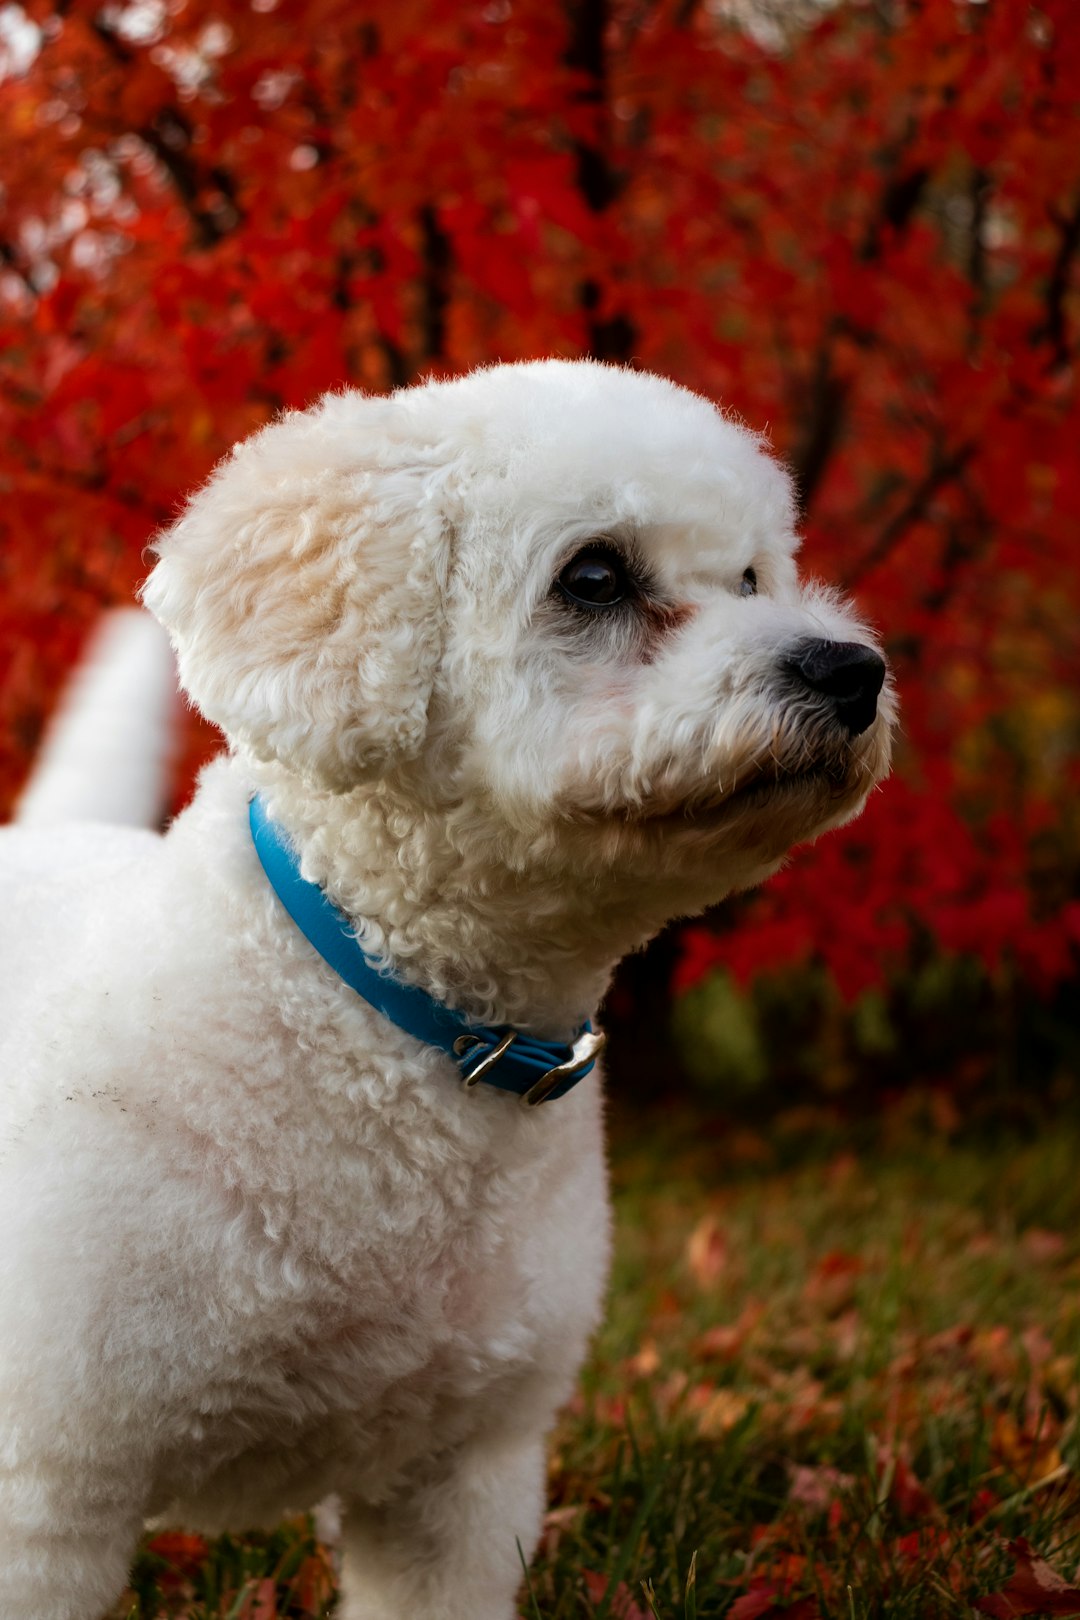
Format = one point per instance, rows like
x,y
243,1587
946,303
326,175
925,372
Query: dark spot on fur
x,y
661,620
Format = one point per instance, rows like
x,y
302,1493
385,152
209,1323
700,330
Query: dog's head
x,y
560,594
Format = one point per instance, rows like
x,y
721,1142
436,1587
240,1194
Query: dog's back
x,y
84,820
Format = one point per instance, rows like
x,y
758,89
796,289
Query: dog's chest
x,y
408,1347
400,1272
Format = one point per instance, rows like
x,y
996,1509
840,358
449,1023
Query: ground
x,y
839,1379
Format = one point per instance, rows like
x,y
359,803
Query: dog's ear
x,y
303,590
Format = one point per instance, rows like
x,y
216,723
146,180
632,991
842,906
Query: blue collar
x,y
536,1071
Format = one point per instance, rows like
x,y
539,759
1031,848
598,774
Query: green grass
x,y
843,1374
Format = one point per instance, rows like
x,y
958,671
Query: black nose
x,y
849,673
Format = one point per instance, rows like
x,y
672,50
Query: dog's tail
x,y
107,753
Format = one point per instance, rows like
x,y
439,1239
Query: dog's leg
x,y
64,1555
449,1549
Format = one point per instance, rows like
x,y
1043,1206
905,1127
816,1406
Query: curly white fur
x,y
258,1246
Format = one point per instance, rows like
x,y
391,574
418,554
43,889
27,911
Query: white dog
x,y
519,666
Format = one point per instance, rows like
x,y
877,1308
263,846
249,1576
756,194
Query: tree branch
x,y
611,338
828,404
942,471
168,137
1054,327
437,258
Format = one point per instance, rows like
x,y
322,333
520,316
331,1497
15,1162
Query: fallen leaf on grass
x,y
1059,1379
1037,1347
816,1488
721,1413
1042,1245
907,1493
726,1342
927,1544
667,1394
609,1410
767,1602
951,1342
983,1502
313,1584
831,1285
845,1333
260,1601
1031,1456
556,1522
944,1114
749,1147
183,1554
645,1362
622,1606
1032,1588
839,1170
797,1403
779,1573
995,1351
707,1251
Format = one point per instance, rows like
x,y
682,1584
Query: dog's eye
x,y
748,584
596,578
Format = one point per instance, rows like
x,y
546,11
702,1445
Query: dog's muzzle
x,y
848,673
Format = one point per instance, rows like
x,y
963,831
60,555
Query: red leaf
x,y
622,1606
1032,1588
909,1495
183,1553
260,1601
752,1605
313,1584
766,1603
707,1251
816,1488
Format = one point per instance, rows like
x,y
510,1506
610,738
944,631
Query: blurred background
x,y
856,224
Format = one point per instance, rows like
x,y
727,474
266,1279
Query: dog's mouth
x,y
823,784
809,790
827,780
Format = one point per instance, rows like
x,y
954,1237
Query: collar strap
x,y
536,1071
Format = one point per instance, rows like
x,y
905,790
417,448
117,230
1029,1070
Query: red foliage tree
x,y
857,225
